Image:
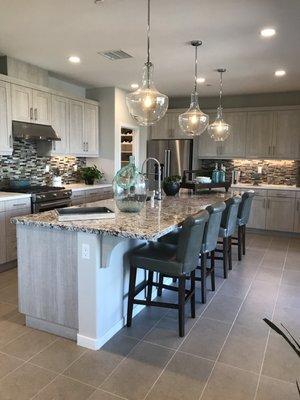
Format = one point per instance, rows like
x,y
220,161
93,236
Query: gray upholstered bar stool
x,y
209,244
242,220
179,261
227,229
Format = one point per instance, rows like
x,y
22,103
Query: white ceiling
x,y
46,32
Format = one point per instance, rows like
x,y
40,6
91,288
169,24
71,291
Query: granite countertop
x,y
82,186
149,224
13,196
265,186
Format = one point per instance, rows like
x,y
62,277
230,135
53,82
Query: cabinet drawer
x,y
78,195
282,193
18,203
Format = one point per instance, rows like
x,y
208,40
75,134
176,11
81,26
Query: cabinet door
x,y
235,145
257,218
280,214
41,107
22,109
297,216
10,229
207,147
286,137
2,238
259,134
160,130
5,119
91,130
60,123
174,131
76,128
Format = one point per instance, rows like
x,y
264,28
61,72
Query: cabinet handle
x,y
31,113
264,203
20,204
269,151
274,150
298,203
10,141
36,114
83,146
87,146
53,146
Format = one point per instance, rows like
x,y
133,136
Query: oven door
x,y
51,205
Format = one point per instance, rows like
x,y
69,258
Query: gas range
x,y
45,198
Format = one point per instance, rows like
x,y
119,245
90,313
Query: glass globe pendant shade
x,y
147,105
219,130
194,121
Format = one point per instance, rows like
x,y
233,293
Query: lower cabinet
x,y
2,238
280,214
297,215
91,195
257,218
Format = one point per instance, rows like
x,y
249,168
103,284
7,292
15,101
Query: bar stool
x,y
209,244
179,261
227,229
242,220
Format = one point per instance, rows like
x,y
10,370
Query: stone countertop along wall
x,y
25,163
149,224
275,172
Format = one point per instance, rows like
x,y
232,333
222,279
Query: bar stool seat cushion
x,y
157,257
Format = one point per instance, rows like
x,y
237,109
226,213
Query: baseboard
x,y
8,266
51,327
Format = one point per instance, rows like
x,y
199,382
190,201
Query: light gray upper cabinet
x,y
5,119
161,129
77,145
41,103
61,124
22,109
259,134
235,145
91,130
286,134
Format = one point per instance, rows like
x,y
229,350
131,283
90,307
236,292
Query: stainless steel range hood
x,y
28,131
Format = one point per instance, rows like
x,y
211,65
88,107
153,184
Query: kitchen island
x,y
73,276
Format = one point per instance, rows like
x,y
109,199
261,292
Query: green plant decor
x,y
90,174
172,179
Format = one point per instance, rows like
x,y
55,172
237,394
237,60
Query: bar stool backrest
x,y
190,241
212,227
245,207
230,213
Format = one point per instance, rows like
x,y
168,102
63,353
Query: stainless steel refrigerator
x,y
174,155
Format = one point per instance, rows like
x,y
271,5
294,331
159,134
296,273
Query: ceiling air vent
x,y
115,54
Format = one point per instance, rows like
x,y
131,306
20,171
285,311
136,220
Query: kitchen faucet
x,y
158,195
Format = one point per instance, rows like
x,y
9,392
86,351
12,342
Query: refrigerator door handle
x,y
165,174
168,162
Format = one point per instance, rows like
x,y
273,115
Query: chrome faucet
x,y
158,194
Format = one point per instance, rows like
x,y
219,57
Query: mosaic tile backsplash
x,y
25,163
276,172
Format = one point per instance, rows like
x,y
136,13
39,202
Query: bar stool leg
x,y
193,297
230,253
160,282
203,277
132,280
150,284
212,271
181,304
240,236
225,257
244,239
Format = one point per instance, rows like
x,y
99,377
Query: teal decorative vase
x,y
129,187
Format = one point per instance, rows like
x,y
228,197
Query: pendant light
x,y
219,130
147,105
194,121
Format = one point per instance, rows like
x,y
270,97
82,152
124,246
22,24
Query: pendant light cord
x,y
148,34
221,88
196,68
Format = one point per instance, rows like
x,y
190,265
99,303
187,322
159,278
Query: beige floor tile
x,y
95,366
8,364
24,383
223,308
228,383
272,389
134,377
63,388
9,294
100,395
10,330
59,355
7,311
183,379
29,344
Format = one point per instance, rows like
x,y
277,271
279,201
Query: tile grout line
x,y
238,311
273,313
184,339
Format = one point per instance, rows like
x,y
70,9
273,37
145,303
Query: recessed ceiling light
x,y
134,85
200,80
268,32
280,72
74,59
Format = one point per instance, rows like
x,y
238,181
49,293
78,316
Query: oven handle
x,y
54,204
